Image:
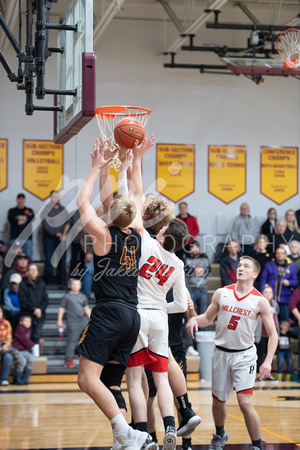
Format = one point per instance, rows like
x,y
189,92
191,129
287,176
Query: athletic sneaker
x,y
70,363
218,442
4,383
191,351
186,448
255,448
170,438
188,424
135,440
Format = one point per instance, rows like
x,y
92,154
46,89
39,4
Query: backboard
x,y
76,70
261,66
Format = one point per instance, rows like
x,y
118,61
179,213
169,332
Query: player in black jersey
x,y
114,324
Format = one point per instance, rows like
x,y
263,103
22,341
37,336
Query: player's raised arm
x,y
265,313
136,185
92,223
203,320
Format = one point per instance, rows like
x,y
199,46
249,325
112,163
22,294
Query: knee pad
x,y
112,374
119,398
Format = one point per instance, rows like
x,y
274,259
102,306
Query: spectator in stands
x,y
75,305
261,335
20,267
261,255
269,226
229,264
292,228
298,217
33,300
294,247
281,275
245,229
55,225
284,351
197,269
11,300
279,238
294,307
2,256
5,356
77,254
20,219
23,344
193,227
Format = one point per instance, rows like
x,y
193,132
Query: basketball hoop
x,y
288,47
107,118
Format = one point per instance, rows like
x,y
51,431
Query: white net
x,y
107,118
288,46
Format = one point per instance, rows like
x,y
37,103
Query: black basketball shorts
x,y
111,333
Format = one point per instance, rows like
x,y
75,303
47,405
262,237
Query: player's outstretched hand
x,y
143,147
100,155
192,326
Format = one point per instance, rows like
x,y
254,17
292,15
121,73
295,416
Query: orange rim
x,y
289,60
110,112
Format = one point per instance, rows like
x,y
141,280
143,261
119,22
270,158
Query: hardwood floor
x,y
58,415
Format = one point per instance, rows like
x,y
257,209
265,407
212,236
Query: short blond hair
x,y
158,212
122,211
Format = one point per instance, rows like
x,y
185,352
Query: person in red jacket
x,y
21,346
193,227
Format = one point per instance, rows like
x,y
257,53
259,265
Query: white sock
x,y
119,425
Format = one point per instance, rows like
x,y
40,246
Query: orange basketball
x,y
127,131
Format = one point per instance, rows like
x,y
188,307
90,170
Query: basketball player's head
x,y
248,269
157,212
122,211
175,236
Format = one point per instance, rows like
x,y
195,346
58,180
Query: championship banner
x,y
3,164
175,170
42,167
227,171
279,173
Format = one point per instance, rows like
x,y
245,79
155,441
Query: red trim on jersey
x,y
253,292
150,360
246,391
216,398
141,358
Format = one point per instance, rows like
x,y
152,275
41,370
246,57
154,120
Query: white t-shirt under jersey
x,y
237,319
159,270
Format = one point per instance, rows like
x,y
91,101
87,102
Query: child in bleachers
x,y
75,305
21,347
284,351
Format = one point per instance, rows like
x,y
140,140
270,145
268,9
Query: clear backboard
x,y
76,70
261,66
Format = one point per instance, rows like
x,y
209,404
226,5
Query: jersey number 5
x,y
233,322
155,266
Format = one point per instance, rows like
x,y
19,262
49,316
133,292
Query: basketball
x,y
127,131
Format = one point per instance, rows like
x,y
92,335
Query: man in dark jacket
x,y
280,274
229,263
33,300
20,219
55,225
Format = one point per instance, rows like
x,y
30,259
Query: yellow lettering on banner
x,y
175,170
42,167
227,171
3,163
279,173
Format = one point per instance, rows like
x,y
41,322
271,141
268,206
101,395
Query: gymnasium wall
x,y
187,108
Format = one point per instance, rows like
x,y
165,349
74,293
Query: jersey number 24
x,y
155,267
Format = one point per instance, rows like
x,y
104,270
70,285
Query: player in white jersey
x,y
238,308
